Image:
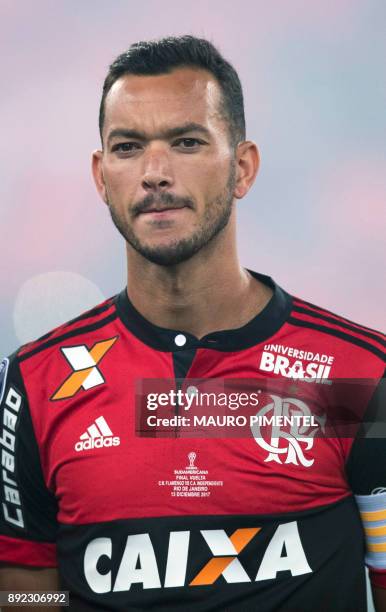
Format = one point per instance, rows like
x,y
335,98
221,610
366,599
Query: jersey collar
x,y
260,328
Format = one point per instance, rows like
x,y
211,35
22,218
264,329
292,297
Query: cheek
x,y
205,178
120,178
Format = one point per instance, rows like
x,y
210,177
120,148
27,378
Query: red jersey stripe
x,y
92,316
326,315
26,552
378,577
336,330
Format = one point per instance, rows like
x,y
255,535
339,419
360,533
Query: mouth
x,y
162,209
166,211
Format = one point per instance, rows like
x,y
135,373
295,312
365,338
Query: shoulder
x,y
92,319
341,330
80,342
325,344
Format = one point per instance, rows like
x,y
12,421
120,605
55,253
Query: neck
x,y
207,293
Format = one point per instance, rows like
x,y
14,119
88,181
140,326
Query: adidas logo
x,y
97,435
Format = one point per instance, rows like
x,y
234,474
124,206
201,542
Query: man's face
x,y
168,168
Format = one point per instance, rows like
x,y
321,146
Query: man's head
x,y
173,159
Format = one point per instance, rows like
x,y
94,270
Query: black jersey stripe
x,y
93,312
317,309
182,360
70,334
89,314
345,325
338,334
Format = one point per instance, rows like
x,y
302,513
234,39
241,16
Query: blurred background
x,y
315,89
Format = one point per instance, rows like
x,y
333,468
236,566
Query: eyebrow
x,y
163,135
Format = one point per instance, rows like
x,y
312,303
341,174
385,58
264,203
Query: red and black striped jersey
x,y
137,520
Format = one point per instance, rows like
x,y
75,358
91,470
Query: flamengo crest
x,y
285,446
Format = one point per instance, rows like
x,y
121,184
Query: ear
x,y
97,171
247,164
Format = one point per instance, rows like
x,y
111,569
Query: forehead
x,y
181,96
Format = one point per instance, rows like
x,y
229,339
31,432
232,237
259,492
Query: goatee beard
x,y
216,217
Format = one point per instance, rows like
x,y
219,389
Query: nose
x,y
157,172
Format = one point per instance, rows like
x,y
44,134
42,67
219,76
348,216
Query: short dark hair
x,y
164,55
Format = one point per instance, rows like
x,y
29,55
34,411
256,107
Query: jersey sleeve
x,y
366,472
28,524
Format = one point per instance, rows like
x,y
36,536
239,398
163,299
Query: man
x,y
276,530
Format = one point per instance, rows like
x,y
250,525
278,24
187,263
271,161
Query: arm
x,y
367,477
28,509
379,596
19,578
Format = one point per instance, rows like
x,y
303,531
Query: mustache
x,y
162,199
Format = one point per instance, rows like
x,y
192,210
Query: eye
x,y
188,143
125,147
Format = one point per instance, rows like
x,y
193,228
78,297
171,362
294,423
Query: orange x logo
x,y
219,542
84,363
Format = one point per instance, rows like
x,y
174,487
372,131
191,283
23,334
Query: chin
x,y
169,254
